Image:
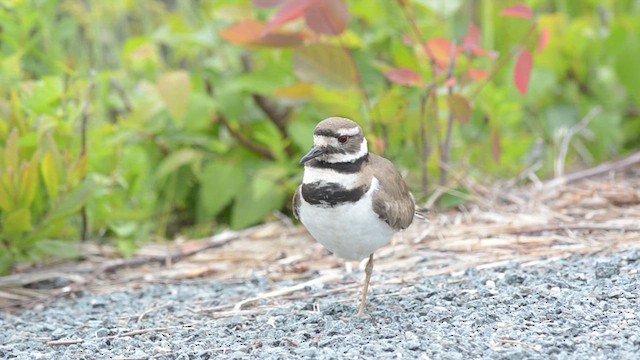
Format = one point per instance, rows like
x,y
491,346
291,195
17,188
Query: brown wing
x,y
295,203
393,202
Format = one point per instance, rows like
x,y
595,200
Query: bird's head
x,y
337,140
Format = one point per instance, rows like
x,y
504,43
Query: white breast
x,y
351,231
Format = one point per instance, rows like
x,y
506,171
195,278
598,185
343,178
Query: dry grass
x,y
502,224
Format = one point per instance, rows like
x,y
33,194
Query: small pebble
x,y
605,270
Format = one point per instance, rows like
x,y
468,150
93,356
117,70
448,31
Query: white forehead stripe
x,y
349,131
321,140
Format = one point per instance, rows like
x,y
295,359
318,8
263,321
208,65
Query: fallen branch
x,y
538,229
186,250
603,168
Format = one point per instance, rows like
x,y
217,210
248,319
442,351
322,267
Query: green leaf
x,y
391,107
58,248
458,197
18,221
11,152
267,133
329,66
626,67
301,133
176,160
126,247
123,229
175,90
28,182
77,171
45,93
221,182
50,176
6,261
251,208
71,203
5,202
346,103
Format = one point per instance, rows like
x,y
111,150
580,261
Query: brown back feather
x,y
394,203
295,203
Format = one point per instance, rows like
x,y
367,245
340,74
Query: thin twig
x,y
566,141
559,227
426,147
153,309
287,290
84,230
134,333
519,343
269,108
244,141
64,342
418,34
446,151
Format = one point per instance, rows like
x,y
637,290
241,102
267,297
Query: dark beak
x,y
314,153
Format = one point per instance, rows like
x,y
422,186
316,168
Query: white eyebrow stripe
x,y
349,131
321,140
339,158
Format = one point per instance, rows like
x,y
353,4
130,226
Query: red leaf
x,y
328,17
450,82
522,71
267,3
477,74
403,76
460,108
471,43
440,50
290,11
251,32
496,148
472,39
243,32
518,11
544,40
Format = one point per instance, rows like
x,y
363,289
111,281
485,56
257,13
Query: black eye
x,y
343,139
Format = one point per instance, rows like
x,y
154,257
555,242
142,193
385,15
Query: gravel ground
x,y
578,308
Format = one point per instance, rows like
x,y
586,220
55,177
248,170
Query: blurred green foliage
x,y
137,120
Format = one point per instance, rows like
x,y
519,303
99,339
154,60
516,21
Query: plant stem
x,y
253,147
426,147
84,231
446,150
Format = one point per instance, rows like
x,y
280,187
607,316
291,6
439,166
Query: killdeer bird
x,y
351,201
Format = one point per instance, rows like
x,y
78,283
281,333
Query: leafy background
x,y
132,121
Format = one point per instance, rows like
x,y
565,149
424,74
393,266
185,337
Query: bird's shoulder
x,y
393,202
295,203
